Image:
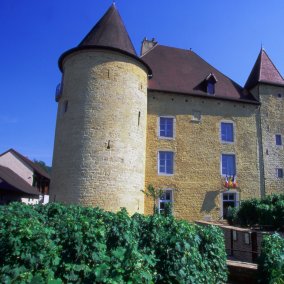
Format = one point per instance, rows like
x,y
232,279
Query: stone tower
x,y
267,85
100,141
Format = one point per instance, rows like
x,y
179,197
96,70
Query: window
x,y
210,88
247,238
279,173
228,200
228,166
227,132
166,162
166,127
278,139
167,197
235,235
196,116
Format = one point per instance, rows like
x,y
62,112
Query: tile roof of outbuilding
x,y
33,165
183,71
264,71
14,182
109,31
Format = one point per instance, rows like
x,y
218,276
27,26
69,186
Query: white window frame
x,y
158,162
234,131
281,145
228,153
165,201
174,127
237,200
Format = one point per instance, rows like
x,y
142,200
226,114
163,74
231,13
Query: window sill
x,y
164,174
166,138
227,142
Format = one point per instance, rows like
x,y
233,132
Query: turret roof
x,y
264,71
109,31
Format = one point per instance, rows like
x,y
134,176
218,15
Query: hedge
x,y
267,213
73,244
271,260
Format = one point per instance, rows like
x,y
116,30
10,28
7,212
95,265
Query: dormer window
x,y
210,88
210,80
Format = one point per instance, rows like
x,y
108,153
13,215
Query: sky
x,y
34,33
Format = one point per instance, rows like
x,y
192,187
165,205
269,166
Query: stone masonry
x,y
197,180
99,155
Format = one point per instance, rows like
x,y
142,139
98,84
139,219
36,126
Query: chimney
x,y
147,45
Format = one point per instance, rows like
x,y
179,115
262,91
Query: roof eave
x,y
207,96
96,47
264,82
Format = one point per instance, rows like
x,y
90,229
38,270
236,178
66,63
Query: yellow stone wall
x,y
197,180
272,122
105,91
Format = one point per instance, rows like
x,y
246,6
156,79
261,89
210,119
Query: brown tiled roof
x,y
264,71
108,34
110,31
183,71
14,182
34,166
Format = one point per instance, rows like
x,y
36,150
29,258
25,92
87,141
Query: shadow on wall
x,y
209,201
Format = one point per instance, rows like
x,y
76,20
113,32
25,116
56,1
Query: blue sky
x,y
34,33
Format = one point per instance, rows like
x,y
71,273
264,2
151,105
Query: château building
x,y
166,118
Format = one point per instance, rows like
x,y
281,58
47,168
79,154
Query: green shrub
x,y
271,261
267,212
27,251
73,244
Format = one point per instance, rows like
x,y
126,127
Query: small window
x,y
278,139
210,88
279,96
247,238
235,235
228,164
166,127
196,116
227,132
166,163
279,173
167,197
65,106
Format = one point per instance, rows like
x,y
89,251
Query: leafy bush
x,y
73,244
271,261
268,211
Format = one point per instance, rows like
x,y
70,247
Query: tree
x,y
155,194
43,165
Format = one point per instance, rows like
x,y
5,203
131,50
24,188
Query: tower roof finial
x,y
110,31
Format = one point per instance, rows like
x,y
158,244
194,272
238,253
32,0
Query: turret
x,y
100,141
267,85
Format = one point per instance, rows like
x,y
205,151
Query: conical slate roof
x,y
109,31
263,71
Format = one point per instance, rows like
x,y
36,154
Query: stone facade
x,y
108,106
197,181
100,148
272,123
